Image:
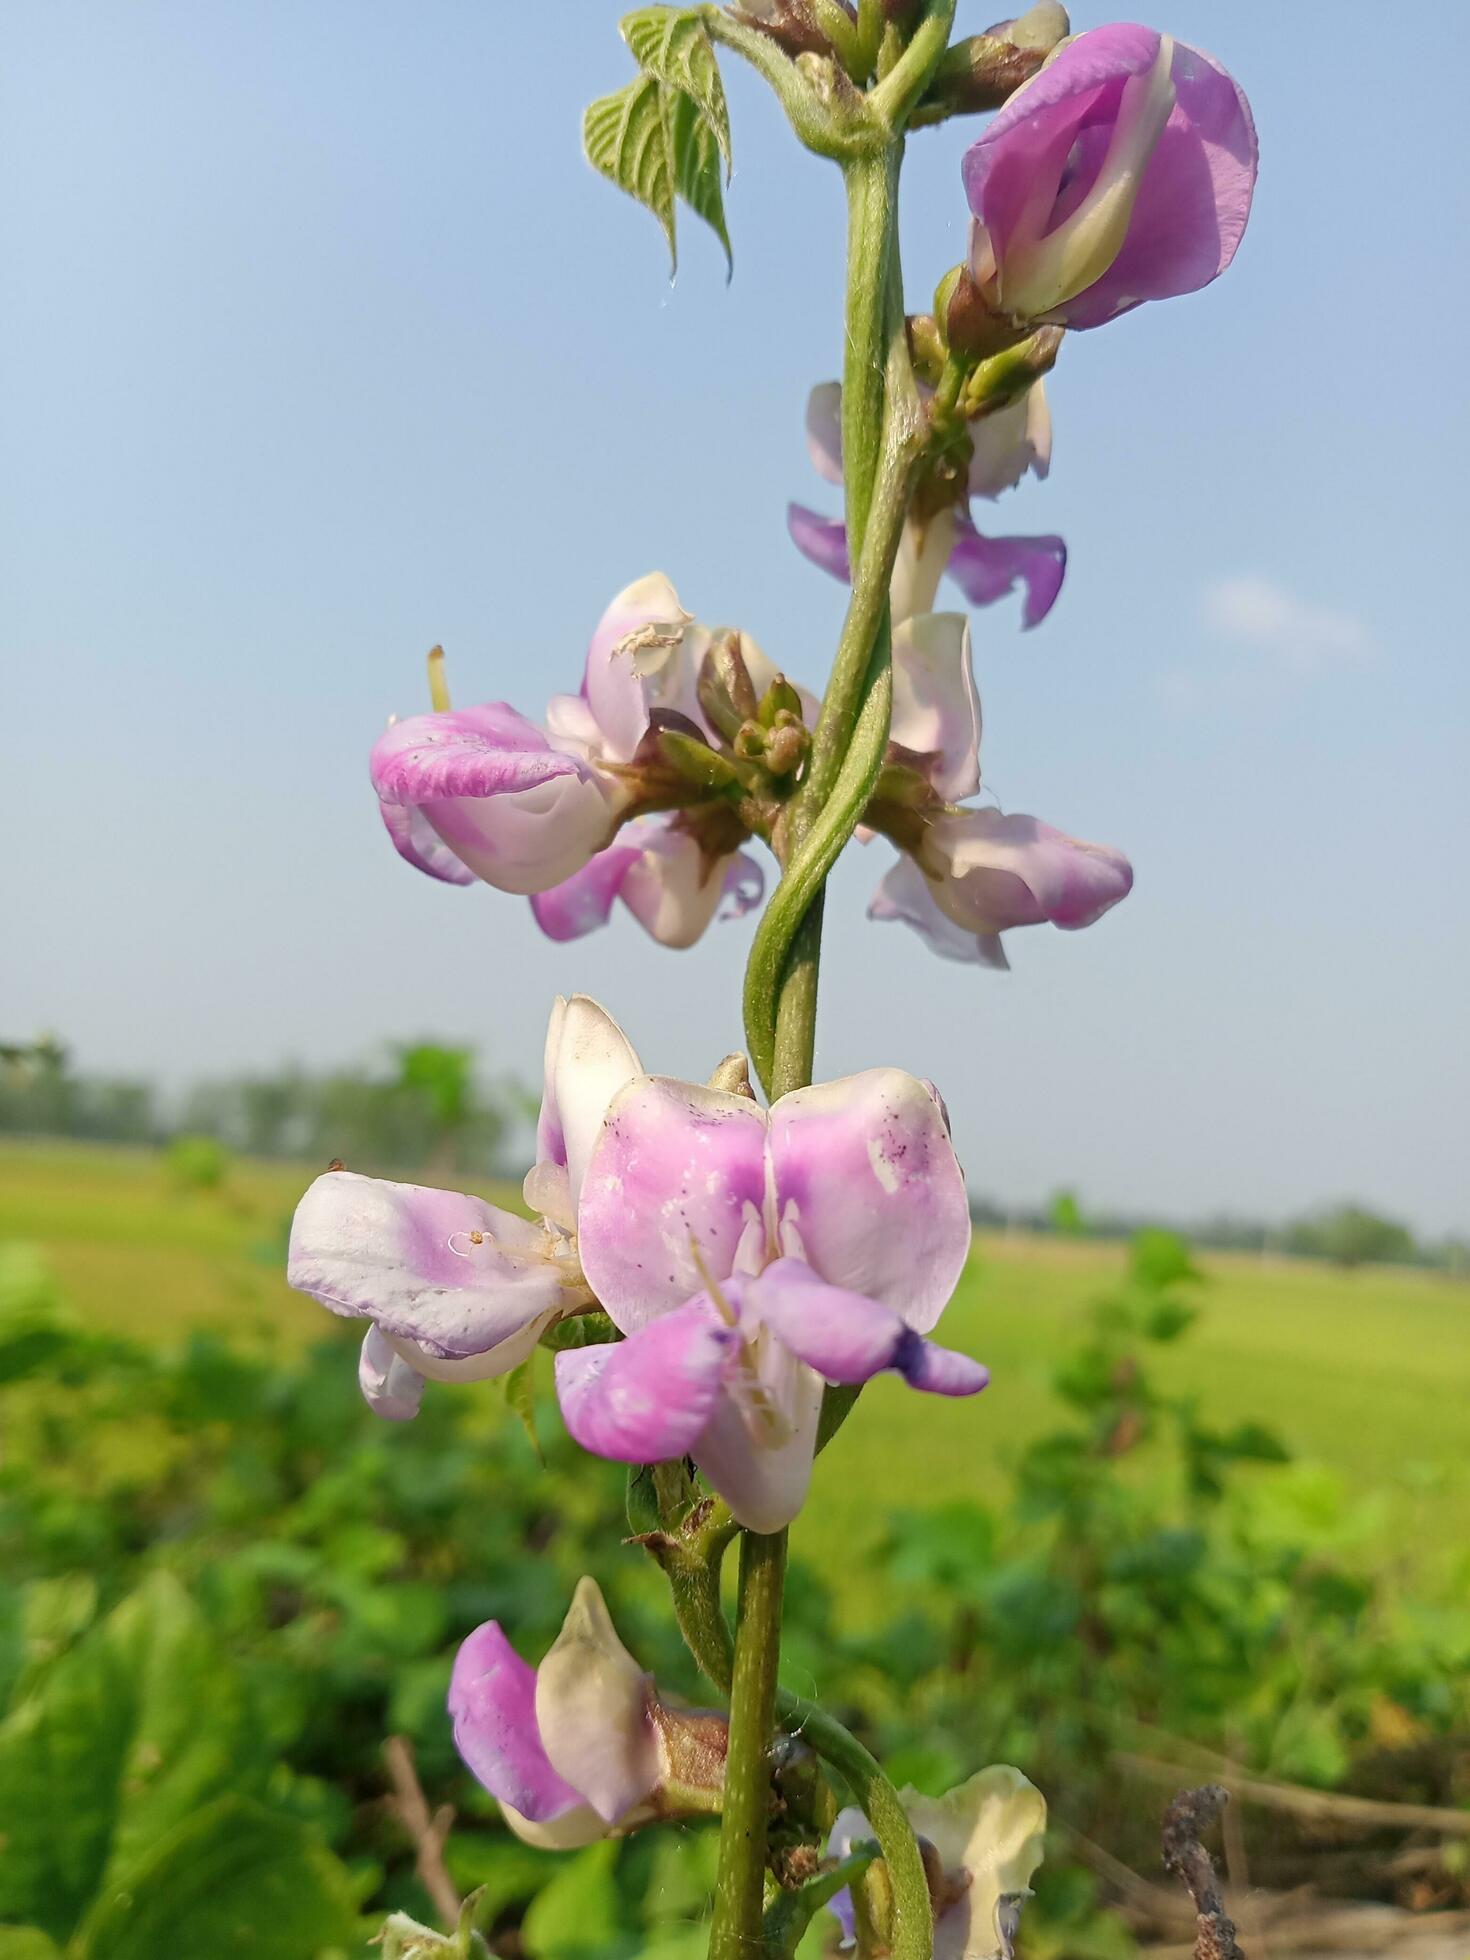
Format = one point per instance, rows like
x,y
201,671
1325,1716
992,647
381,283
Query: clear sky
x,y
320,343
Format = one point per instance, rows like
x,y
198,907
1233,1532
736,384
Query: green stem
x,y
735,1928
911,1936
830,127
897,95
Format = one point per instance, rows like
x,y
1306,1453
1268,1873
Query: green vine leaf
x,y
520,1396
626,137
670,43
696,156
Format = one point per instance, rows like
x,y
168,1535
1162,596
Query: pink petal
x,y
414,839
936,709
403,1256
583,902
824,429
905,894
492,1703
869,1192
822,539
986,569
648,1398
616,692
1005,871
675,1179
849,1338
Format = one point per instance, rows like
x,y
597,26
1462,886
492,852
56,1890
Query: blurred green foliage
x,y
232,1583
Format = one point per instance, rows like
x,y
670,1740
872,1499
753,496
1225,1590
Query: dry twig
x,y
1191,1813
1317,1806
427,1832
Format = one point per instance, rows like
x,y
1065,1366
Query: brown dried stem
x,y
427,1831
1187,1818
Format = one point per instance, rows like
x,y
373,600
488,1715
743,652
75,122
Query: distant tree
x,y
1064,1213
1351,1235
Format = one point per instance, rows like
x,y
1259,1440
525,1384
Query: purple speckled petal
x,y
676,1167
905,894
822,539
616,680
824,429
492,1703
414,838
849,1338
986,569
936,709
390,1386
490,750
1008,871
650,1397
869,1192
403,1255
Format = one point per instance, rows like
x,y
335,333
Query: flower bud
x,y
727,694
983,71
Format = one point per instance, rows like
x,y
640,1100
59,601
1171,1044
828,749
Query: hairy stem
x,y
736,1928
911,1936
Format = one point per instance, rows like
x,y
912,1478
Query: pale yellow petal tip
x,y
993,1826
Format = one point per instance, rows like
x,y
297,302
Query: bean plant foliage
x,y
238,1586
231,1583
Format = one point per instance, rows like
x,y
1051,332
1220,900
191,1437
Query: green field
x,y
1366,1374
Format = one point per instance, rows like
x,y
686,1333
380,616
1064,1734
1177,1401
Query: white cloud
x,y
1258,614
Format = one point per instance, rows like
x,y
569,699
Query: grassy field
x,y
1365,1374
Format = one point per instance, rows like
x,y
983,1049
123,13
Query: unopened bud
x,y
733,1076
983,71
926,347
780,698
696,763
786,745
1006,376
790,23
726,692
969,325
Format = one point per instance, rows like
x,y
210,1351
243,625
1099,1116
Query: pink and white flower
x,y
582,1745
1123,171
458,1289
484,793
1007,444
983,1841
753,1256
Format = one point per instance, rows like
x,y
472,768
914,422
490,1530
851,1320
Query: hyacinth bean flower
x,y
981,1843
751,1257
1121,172
979,873
663,877
484,793
457,1289
1007,444
583,1745
968,875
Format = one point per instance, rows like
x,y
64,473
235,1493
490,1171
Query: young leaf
x,y
520,1395
670,43
626,137
230,1880
697,166
140,1724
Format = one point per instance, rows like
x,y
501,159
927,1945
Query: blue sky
x,y
321,343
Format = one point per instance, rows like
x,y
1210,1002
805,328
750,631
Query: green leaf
x,y
579,1915
626,137
135,1728
520,1395
670,43
231,1881
27,1943
697,166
